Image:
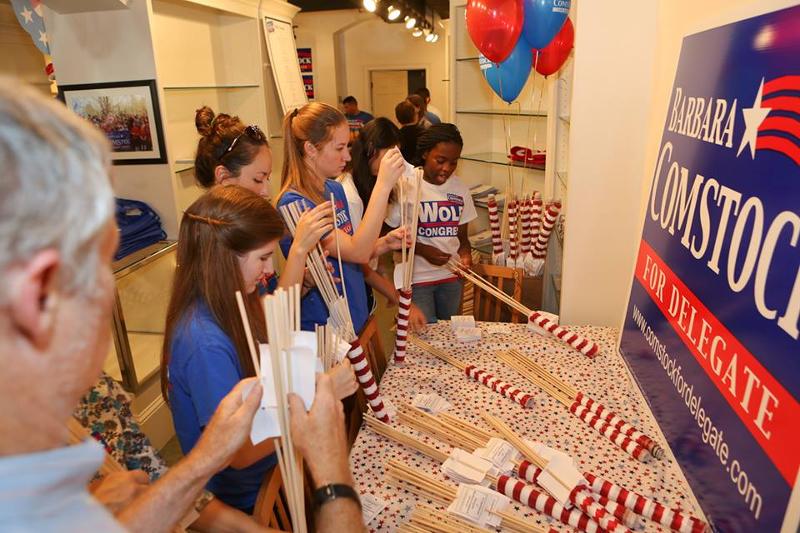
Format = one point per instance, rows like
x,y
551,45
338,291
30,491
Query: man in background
x,y
431,113
356,118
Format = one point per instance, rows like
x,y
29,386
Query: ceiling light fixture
x,y
430,37
370,5
393,13
411,22
417,32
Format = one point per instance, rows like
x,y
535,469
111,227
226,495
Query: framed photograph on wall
x,y
127,112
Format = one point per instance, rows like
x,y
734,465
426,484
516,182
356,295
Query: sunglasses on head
x,y
252,131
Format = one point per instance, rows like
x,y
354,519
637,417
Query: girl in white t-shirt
x,y
445,209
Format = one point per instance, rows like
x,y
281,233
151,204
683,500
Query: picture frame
x,y
128,114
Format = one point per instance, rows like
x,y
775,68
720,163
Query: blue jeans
x,y
439,301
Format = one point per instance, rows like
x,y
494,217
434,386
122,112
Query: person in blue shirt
x,y
226,242
315,150
356,119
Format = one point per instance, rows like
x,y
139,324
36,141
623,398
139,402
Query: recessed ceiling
x,y
422,7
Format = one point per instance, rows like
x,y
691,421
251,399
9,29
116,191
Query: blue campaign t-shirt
x,y
203,368
358,121
313,309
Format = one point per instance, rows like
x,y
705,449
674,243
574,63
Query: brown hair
x,y
314,123
418,101
218,133
405,113
218,226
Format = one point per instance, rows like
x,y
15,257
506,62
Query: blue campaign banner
x,y
711,330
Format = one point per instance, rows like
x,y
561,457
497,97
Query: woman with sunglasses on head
x,y
231,153
373,143
315,151
226,242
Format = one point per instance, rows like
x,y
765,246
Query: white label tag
x,y
462,321
468,334
371,506
500,453
432,403
478,505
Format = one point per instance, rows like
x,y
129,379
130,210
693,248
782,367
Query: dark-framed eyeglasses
x,y
252,131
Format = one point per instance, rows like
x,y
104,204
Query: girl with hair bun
x,y
231,153
315,151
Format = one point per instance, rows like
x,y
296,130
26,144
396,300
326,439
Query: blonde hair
x,y
314,122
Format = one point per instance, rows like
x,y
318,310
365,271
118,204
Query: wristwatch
x,y
328,493
203,500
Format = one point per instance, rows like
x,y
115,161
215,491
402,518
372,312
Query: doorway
x,y
389,87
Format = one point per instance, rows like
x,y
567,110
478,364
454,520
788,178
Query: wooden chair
x,y
356,405
509,280
271,508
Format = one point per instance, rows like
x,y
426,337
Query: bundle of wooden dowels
x,y
409,218
338,306
476,374
578,342
606,422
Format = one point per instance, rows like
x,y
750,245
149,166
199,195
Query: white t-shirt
x,y
443,208
354,202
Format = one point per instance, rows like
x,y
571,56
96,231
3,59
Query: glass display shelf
x,y
503,112
193,87
499,158
143,283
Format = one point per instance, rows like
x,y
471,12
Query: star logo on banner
x,y
43,38
753,117
27,14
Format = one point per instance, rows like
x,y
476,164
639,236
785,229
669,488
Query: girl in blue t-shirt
x,y
315,150
226,243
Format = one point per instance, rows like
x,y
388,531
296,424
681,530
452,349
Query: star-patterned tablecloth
x,y
604,378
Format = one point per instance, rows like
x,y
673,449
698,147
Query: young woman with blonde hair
x,y
315,151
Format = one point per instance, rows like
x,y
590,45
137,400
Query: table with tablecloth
x,y
605,378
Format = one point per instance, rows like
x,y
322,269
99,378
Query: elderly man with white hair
x,y
57,238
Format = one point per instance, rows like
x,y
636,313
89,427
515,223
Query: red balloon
x,y
551,58
494,26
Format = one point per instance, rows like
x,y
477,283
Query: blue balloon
x,y
508,78
543,20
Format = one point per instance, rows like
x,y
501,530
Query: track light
x,y
393,13
435,37
411,22
430,37
370,5
417,32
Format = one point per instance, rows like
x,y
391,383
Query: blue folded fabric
x,y
139,227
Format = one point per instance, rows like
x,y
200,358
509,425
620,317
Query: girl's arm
x,y
313,224
358,248
464,247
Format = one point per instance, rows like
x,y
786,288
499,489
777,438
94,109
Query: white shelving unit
x,y
539,120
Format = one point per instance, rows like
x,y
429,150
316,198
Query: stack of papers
x,y
482,191
468,334
432,403
500,453
481,239
479,505
462,321
463,467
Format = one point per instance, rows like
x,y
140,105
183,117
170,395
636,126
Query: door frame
x,y
368,70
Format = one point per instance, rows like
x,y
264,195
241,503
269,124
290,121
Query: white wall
x,y
610,115
377,45
369,43
114,46
619,104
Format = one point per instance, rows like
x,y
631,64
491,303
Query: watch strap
x,y
328,493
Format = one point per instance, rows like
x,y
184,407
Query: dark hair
x,y
438,133
350,100
423,92
376,135
405,113
218,132
219,226
419,102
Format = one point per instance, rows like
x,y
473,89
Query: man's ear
x,y
34,298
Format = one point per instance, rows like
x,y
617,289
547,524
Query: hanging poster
x,y
711,330
304,60
308,83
